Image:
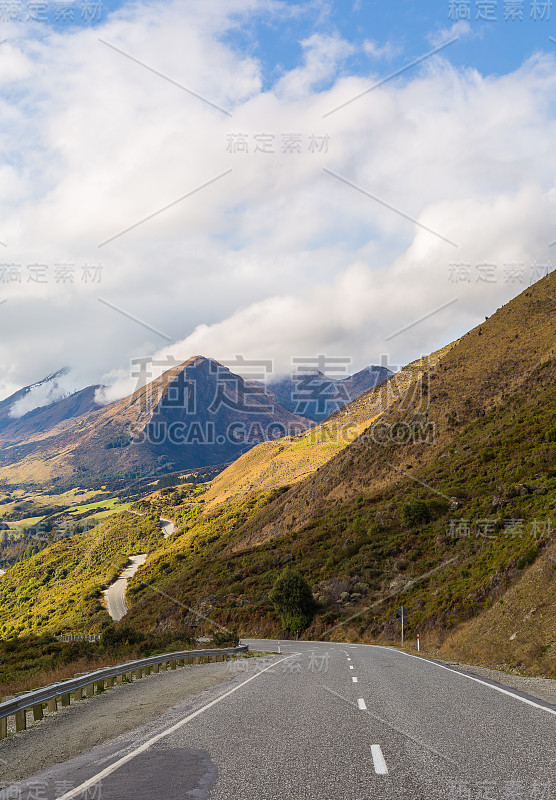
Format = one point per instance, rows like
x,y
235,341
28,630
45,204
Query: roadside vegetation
x,y
30,662
486,509
59,590
459,528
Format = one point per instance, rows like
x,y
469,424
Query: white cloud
x,y
458,30
322,56
277,258
386,51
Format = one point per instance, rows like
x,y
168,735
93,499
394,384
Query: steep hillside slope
x,y
518,631
446,525
288,460
59,589
478,375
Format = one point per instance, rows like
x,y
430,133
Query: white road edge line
x,y
360,704
478,680
378,760
145,746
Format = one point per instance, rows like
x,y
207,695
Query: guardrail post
x,y
3,721
20,721
98,682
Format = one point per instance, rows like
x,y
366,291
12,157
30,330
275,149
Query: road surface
x,y
330,722
115,594
167,526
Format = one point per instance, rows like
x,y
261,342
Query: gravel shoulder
x,y
541,688
78,728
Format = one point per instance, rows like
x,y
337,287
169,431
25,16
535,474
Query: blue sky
x,y
502,33
497,47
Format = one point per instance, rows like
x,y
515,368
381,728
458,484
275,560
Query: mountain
x,y
271,465
445,503
44,418
42,393
195,415
316,396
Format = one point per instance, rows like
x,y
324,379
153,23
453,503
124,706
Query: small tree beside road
x,y
293,601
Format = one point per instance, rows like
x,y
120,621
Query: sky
x,y
259,180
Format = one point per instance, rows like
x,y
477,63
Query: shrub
x,y
293,601
225,639
114,635
414,513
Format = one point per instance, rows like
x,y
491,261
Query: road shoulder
x,y
543,689
88,723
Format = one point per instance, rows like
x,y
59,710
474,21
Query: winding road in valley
x,y
115,594
167,526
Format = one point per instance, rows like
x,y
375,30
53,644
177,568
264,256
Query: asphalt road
x,y
331,722
167,526
115,594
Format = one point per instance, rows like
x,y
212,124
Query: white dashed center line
x,y
352,667
361,704
354,680
378,760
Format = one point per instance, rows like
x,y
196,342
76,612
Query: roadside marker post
x,y
418,644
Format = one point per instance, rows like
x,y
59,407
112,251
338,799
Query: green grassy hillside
x,y
485,509
446,502
59,590
287,461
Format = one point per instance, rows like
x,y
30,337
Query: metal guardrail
x,y
78,637
35,700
